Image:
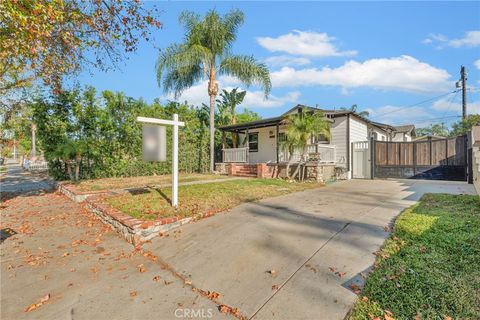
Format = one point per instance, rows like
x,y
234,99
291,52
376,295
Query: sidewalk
x,y
89,272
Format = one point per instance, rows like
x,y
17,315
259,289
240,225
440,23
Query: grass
x,y
3,169
430,267
136,182
203,198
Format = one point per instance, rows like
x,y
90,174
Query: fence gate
x,y
360,160
434,159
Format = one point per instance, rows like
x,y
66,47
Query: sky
x,y
397,60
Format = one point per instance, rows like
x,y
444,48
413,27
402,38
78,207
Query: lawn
x,y
136,182
203,198
429,267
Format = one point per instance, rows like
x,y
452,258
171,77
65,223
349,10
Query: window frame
x,y
250,149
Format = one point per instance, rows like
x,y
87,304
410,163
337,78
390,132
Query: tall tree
x,y
49,39
206,52
438,129
463,126
300,128
354,108
226,107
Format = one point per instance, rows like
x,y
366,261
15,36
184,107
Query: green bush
x,y
107,136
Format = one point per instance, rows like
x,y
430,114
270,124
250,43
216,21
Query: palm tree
x,y
226,107
206,53
354,108
300,127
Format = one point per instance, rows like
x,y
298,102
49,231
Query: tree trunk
x,y
290,157
69,169
78,160
302,157
212,133
212,92
234,134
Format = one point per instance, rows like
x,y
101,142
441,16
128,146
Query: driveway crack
x,y
299,268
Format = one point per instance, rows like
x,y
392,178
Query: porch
x,y
261,142
318,152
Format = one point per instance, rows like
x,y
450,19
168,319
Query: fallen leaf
x,y
141,268
365,299
38,304
133,294
388,315
341,274
273,272
213,295
386,228
188,282
356,289
223,308
156,278
275,287
333,269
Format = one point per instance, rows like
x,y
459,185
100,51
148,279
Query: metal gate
x,y
360,160
434,159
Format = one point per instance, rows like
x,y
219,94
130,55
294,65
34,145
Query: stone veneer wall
x,y
315,171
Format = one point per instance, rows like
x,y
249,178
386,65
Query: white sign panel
x,y
154,143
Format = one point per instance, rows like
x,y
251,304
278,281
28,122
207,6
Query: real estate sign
x,y
154,143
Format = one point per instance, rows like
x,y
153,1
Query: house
x,y
404,133
260,143
428,137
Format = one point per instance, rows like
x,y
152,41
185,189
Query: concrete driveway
x,y
304,237
91,273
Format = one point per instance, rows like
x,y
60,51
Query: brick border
x,y
134,230
76,195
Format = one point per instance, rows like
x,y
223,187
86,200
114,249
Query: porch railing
x,y
323,153
236,155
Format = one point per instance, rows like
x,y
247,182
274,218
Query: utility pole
x,y
463,79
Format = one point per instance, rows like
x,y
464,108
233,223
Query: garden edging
x,y
134,230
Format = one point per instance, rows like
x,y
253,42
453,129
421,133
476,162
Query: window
x,y
253,142
321,138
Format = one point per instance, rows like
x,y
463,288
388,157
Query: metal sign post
x,y
175,123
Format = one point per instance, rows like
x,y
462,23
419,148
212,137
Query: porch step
x,y
251,175
246,170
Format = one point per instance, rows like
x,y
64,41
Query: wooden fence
x,y
442,159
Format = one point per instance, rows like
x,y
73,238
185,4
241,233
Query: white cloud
x,y
304,43
281,61
477,64
256,99
396,115
447,105
197,94
470,39
403,73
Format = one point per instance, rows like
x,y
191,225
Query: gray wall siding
x,y
338,132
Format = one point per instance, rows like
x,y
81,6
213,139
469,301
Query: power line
x,y
415,104
436,119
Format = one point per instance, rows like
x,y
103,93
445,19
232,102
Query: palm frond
x,y
247,70
181,78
